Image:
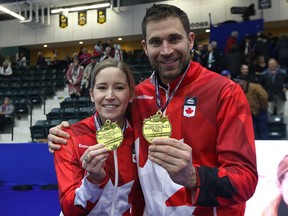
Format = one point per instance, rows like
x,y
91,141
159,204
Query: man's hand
x,y
176,158
57,137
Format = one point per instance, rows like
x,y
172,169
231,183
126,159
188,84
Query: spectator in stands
x,y
262,45
118,52
279,206
272,45
85,57
275,82
6,69
233,60
68,59
106,54
258,101
231,40
260,65
199,54
40,63
74,77
124,55
89,174
246,46
98,50
22,60
80,52
6,112
245,71
74,56
55,60
212,59
90,68
282,51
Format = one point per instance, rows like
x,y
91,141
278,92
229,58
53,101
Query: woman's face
x,y
111,94
76,62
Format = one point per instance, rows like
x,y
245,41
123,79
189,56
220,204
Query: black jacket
x,y
274,85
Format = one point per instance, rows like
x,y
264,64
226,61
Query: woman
x,y
74,76
22,61
93,180
6,70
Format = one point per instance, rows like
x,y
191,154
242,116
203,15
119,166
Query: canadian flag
x,y
189,111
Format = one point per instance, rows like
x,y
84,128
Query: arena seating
x,y
29,87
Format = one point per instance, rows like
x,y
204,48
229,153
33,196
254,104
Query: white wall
x,y
128,21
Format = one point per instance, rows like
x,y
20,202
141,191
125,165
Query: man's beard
x,y
171,76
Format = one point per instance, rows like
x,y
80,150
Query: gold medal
x,y
156,126
110,135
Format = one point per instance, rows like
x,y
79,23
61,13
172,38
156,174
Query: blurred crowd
x,y
259,64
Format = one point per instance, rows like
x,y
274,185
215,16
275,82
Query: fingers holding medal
x,y
94,155
109,137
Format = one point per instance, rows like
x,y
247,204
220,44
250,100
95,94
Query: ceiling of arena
x,y
13,5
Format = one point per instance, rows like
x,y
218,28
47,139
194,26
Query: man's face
x,y
168,47
283,187
244,69
272,64
210,47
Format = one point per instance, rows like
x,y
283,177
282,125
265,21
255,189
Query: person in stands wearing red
x,y
91,179
208,164
231,40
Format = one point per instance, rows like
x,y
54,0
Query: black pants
x,y
2,122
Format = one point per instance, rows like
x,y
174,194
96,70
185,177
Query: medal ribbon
x,y
158,100
98,123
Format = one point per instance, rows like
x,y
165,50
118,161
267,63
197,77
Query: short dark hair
x,y
159,12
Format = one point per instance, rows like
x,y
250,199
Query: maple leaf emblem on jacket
x,y
189,111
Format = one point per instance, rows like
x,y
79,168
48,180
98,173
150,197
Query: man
x,y
85,57
40,62
244,71
258,101
203,169
6,112
89,69
279,206
275,82
231,40
199,54
233,60
212,59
